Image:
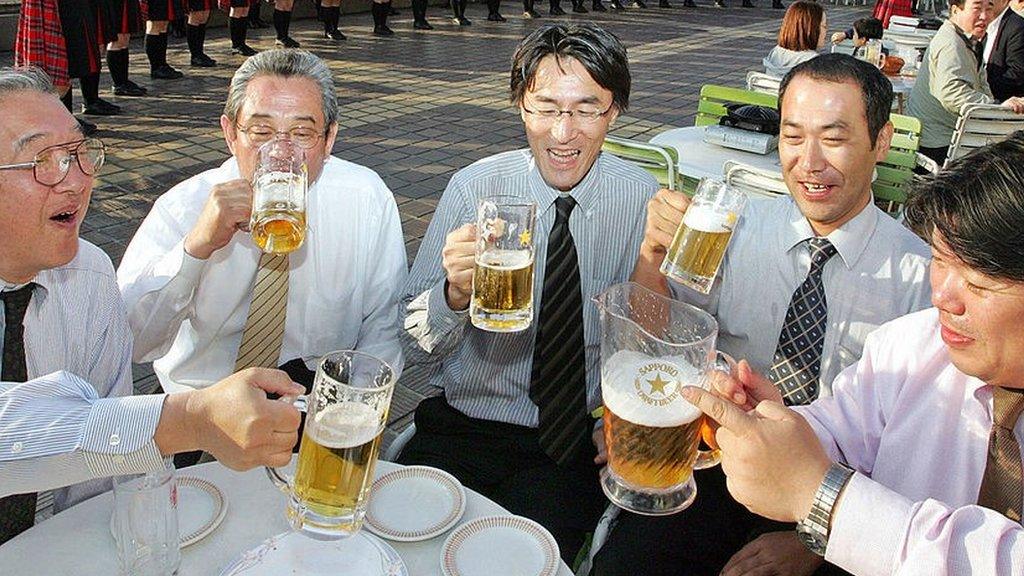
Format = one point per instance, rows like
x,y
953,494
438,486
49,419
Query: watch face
x,y
814,542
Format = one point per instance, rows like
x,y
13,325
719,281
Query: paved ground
x,y
415,107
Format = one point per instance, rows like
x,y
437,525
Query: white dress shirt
x,y
56,431
992,33
916,430
879,273
188,314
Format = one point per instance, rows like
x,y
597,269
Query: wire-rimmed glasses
x,y
52,164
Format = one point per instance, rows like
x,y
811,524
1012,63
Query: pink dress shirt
x,y
916,430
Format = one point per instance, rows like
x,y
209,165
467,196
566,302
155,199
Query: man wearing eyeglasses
x,y
512,420
67,418
189,275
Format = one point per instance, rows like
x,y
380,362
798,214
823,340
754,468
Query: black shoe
x,y
616,5
556,11
531,14
462,21
598,6
244,50
129,88
287,42
383,31
422,25
495,17
579,9
719,4
203,61
335,35
100,107
165,72
88,128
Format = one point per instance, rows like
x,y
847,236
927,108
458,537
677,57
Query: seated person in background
x,y
952,75
825,242
801,35
864,29
67,417
513,418
1004,52
189,277
913,466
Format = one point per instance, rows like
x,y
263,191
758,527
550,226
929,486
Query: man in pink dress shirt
x,y
918,465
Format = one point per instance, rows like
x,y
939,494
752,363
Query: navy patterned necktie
x,y
1001,484
17,512
559,382
797,363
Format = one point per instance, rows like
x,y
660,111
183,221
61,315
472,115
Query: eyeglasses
x,y
583,116
51,165
303,137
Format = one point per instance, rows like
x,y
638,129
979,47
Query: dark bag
x,y
761,119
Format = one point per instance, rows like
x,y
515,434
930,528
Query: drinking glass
x,y
145,524
503,278
278,222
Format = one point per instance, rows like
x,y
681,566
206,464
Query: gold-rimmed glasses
x,y
51,165
302,136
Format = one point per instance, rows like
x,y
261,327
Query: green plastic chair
x,y
897,169
660,161
713,100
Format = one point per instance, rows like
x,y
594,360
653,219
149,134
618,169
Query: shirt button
x,y
115,439
17,447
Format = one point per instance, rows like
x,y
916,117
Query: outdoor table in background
x,y
698,159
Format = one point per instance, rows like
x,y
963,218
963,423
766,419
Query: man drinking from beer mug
x,y
512,420
804,280
204,300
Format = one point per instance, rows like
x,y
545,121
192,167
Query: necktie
x,y
264,327
559,384
17,512
797,362
1001,485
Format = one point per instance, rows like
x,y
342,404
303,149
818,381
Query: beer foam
x,y
620,375
505,259
707,219
344,425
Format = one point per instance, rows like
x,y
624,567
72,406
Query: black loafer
x,y
383,31
100,107
556,11
203,61
422,25
244,50
495,17
165,72
129,88
287,42
462,21
335,35
531,14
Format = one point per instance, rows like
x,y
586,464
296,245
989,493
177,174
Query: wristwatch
x,y
813,530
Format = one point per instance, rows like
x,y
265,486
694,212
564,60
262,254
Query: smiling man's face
x,y
826,151
38,224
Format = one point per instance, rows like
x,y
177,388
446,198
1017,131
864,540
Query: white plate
x,y
201,508
414,503
294,553
500,546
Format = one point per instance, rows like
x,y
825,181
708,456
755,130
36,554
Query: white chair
x,y
394,450
927,163
844,47
980,125
755,182
761,82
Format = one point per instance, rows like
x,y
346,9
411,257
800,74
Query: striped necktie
x,y
797,363
559,381
264,327
17,512
1001,484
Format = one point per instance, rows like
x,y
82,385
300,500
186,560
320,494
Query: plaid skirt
x,y
63,38
125,16
227,5
161,10
885,9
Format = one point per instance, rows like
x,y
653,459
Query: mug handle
x,y
710,458
282,481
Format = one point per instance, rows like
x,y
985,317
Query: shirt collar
x,y
976,47
850,239
586,193
993,26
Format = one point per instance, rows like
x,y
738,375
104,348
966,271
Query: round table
x,y
77,542
699,159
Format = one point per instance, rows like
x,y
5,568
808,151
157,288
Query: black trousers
x,y
505,463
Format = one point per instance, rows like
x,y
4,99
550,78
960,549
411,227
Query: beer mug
x,y
278,221
872,53
652,346
503,278
145,524
699,245
345,418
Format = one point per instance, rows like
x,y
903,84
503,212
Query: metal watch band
x,y
815,527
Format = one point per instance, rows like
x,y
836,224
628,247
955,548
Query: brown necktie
x,y
1001,485
264,327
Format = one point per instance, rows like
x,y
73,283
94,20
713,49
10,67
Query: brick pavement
x,y
415,107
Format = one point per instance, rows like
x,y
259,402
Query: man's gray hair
x,y
23,78
286,63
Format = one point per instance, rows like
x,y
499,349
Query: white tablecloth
x,y
77,542
699,159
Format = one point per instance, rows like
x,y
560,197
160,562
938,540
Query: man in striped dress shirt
x,y
67,418
511,419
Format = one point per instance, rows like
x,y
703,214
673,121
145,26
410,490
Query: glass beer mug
x,y
503,278
700,242
345,419
652,346
278,222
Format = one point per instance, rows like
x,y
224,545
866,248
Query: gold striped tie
x,y
264,327
1001,485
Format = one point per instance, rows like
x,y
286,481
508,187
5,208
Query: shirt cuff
x,y
122,425
181,264
443,319
870,517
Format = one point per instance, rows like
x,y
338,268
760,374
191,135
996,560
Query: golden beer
x,y
699,246
279,231
648,456
336,460
503,291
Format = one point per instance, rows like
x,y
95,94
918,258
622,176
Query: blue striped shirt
x,y
485,374
69,425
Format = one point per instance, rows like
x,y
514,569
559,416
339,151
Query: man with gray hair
x,y
190,279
